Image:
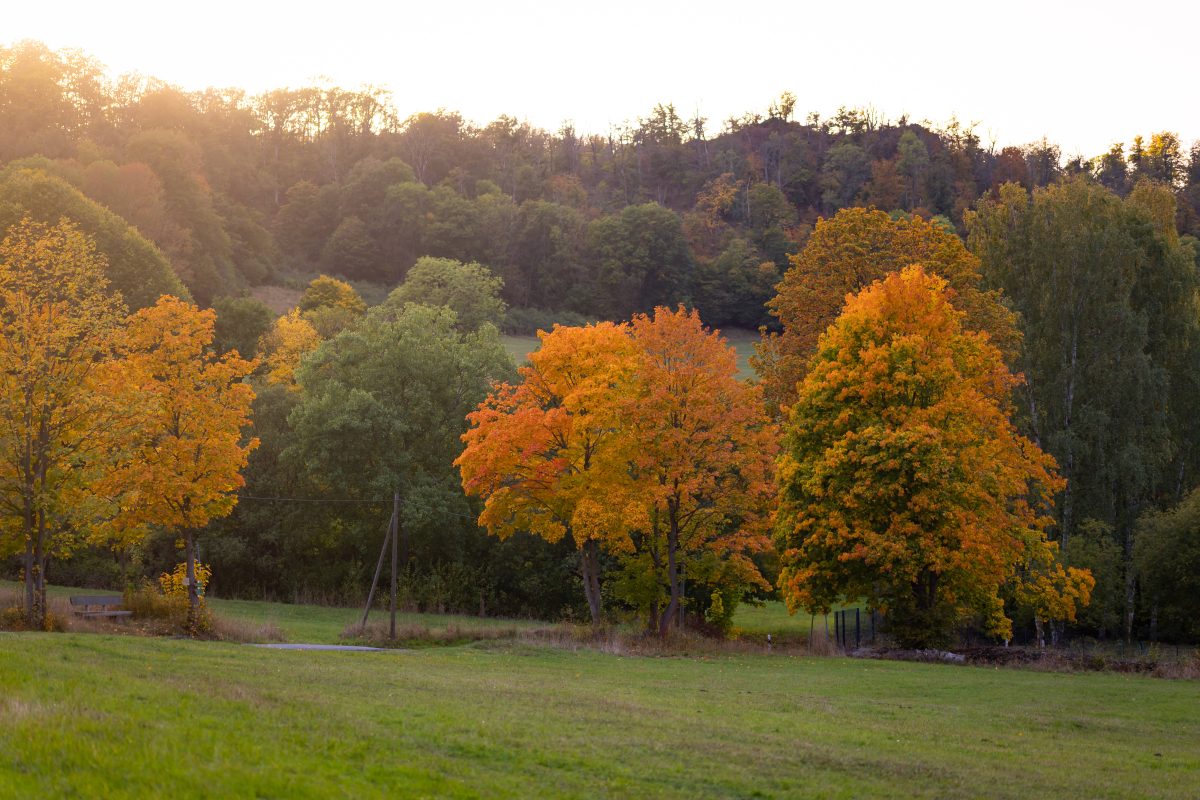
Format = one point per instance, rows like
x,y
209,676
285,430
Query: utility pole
x,y
387,538
395,561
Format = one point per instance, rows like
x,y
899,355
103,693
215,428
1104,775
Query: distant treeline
x,y
237,190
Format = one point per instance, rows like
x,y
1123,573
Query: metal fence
x,y
854,627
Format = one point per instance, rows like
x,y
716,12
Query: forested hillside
x,y
237,191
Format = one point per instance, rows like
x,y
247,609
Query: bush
x,y
169,599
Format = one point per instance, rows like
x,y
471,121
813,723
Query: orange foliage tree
x,y
548,455
191,406
848,252
902,479
703,453
638,441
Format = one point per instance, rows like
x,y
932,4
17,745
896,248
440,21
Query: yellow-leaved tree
x,y
903,480
57,319
191,407
290,338
845,254
548,455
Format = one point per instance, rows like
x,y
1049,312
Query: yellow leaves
x,y
327,292
56,326
186,455
901,462
290,338
845,254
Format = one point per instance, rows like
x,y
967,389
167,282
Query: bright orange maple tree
x,y
191,407
846,253
549,455
703,458
903,480
638,441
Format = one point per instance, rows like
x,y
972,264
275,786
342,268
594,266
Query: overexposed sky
x,y
1084,74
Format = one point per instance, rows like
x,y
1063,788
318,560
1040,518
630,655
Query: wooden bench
x,y
99,606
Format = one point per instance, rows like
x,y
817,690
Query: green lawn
x,y
101,716
773,618
519,347
299,623
90,715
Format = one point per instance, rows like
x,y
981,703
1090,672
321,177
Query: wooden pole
x,y
387,537
395,560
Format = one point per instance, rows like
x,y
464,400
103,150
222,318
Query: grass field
x,y
89,715
742,341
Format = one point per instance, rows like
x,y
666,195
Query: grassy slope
x,y
89,715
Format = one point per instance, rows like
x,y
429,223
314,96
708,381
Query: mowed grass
x,y
773,618
300,623
742,341
102,716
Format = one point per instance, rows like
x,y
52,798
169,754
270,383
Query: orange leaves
x,y
638,437
538,452
705,452
901,468
845,254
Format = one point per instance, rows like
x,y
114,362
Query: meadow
x,y
94,715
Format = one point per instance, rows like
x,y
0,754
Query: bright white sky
x,y
1084,74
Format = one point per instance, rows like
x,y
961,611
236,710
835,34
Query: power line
x,y
353,501
251,497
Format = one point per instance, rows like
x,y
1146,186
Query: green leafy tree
x,y
241,322
471,290
351,251
1167,558
640,259
1106,298
383,406
134,266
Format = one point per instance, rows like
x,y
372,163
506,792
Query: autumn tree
x,y
191,407
702,456
57,318
290,338
548,455
846,253
902,479
324,291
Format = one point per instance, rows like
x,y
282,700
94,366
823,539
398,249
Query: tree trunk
x,y
29,570
193,615
672,610
1130,583
589,561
